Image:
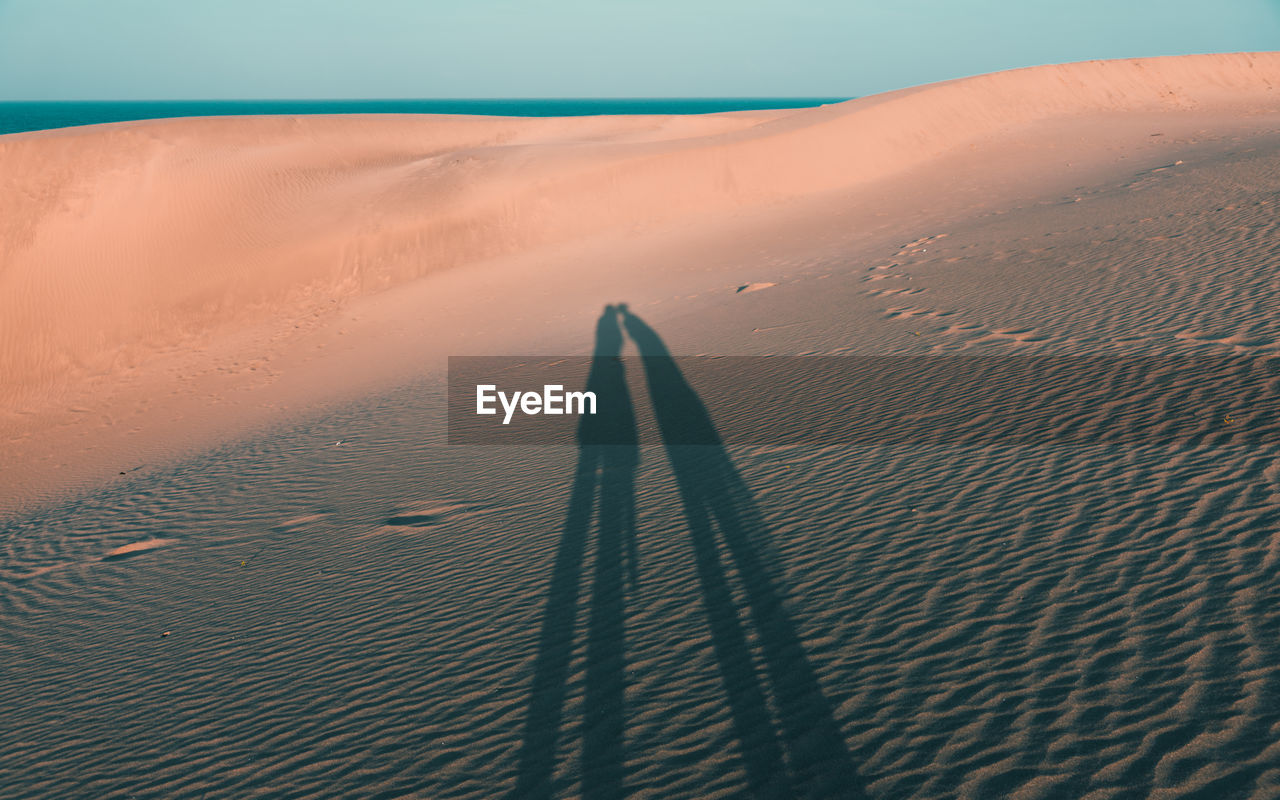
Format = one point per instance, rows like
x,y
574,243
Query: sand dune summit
x,y
119,239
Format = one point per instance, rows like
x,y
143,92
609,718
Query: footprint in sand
x,y
137,548
427,517
408,519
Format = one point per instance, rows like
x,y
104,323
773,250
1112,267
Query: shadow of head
x,y
608,332
614,422
682,417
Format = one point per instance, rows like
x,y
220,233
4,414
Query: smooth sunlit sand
x,y
240,560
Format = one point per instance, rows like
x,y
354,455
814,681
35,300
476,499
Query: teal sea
x,y
16,117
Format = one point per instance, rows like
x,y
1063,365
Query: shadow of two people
x,y
803,754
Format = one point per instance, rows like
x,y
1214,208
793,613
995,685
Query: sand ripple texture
x,y
297,619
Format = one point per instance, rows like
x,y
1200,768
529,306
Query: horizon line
x,y
427,99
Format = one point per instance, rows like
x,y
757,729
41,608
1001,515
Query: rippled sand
x,y
312,595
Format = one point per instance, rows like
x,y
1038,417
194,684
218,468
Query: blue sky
x,y
198,49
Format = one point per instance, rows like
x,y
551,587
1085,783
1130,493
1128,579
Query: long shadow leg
x,y
748,709
612,434
628,522
555,641
599,438
820,761
603,745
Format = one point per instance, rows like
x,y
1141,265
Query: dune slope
x,y
121,239
344,606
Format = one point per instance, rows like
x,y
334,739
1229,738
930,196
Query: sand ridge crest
x,y
120,239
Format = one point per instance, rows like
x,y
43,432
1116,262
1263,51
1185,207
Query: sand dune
x,y
343,606
125,238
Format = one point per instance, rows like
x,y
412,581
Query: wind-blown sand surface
x,y
239,559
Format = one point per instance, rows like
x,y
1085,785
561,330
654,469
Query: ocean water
x,y
16,117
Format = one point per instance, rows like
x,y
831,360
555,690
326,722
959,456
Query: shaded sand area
x,y
295,588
